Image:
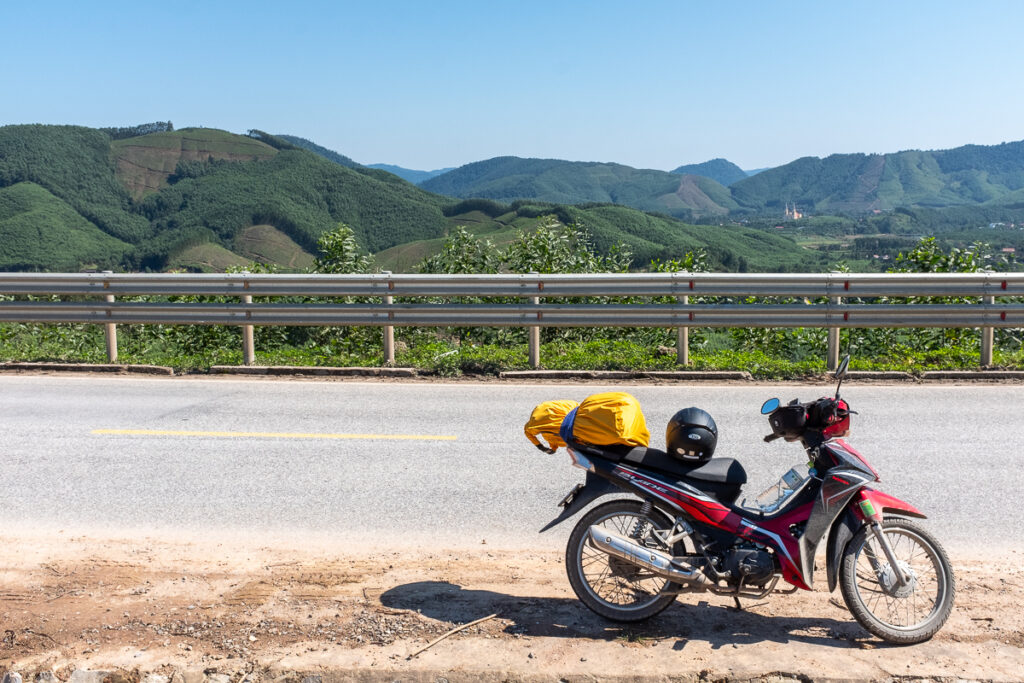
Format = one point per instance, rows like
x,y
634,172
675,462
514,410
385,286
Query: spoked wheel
x,y
903,614
614,588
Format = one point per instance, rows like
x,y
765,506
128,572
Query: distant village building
x,y
793,214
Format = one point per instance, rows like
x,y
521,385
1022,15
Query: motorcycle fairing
x,y
796,557
839,486
846,455
771,532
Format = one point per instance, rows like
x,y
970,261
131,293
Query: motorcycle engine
x,y
754,566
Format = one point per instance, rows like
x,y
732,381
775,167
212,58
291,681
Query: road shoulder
x,y
266,611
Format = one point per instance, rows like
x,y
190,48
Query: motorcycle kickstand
x,y
736,597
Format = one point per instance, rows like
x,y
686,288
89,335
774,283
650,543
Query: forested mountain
x,y
719,170
67,189
576,182
155,198
841,183
967,175
151,197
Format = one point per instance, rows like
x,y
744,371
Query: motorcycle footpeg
x,y
569,497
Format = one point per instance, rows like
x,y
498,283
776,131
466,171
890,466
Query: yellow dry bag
x,y
546,420
611,418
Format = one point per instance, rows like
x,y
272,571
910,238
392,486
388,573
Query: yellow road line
x,y
275,435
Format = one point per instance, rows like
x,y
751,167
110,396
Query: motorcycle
x,y
628,559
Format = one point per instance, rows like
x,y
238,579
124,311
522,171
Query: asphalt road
x,y
395,461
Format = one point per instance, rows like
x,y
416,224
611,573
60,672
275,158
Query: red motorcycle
x,y
627,560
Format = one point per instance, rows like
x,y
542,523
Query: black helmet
x,y
691,435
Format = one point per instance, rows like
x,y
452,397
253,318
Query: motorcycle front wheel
x,y
611,587
903,614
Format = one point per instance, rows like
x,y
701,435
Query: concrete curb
x,y
319,371
598,375
697,374
681,375
879,374
566,374
90,367
973,374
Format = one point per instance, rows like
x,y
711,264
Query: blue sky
x,y
428,85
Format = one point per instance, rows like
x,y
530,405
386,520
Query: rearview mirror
x,y
770,406
843,365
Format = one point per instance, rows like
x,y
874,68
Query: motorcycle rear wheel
x,y
903,615
614,588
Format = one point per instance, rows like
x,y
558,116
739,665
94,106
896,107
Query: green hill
x,y
859,183
145,163
41,232
573,182
720,170
841,183
298,193
647,236
76,165
730,247
203,199
149,198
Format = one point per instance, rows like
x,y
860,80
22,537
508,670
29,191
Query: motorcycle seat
x,y
721,477
715,470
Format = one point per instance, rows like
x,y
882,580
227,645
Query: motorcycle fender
x,y
838,537
580,497
844,529
886,504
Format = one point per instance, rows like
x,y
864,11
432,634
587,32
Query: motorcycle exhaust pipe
x,y
658,562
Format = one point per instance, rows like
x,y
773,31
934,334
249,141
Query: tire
x,y
614,588
901,615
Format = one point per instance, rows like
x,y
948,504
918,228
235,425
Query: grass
x,y
197,349
490,351
267,244
206,258
405,258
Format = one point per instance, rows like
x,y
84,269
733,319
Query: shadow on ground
x,y
689,619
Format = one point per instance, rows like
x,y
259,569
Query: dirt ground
x,y
151,605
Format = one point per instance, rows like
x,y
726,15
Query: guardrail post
x,y
389,330
248,341
832,362
987,337
534,334
683,339
111,330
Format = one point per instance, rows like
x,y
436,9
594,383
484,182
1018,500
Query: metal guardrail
x,y
513,315
830,289
862,285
